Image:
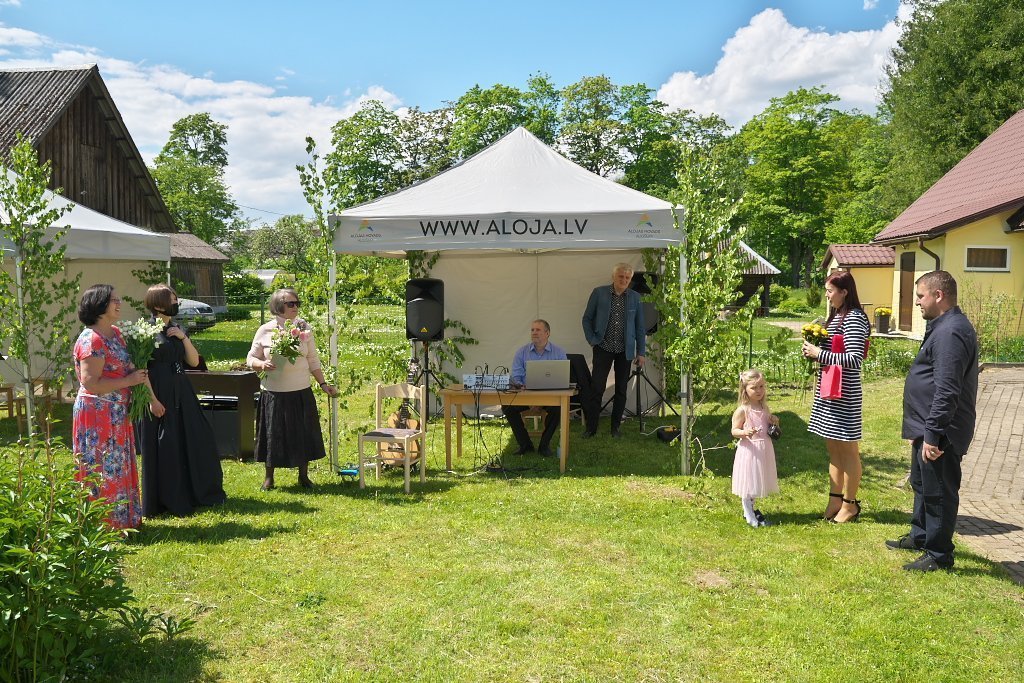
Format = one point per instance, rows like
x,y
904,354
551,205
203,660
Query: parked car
x,y
194,315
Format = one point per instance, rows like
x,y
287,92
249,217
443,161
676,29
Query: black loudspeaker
x,y
424,309
644,283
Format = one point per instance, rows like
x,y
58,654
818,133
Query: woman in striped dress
x,y
839,420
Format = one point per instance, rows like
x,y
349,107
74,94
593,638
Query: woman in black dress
x,y
180,464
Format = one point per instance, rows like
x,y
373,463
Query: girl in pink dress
x,y
753,470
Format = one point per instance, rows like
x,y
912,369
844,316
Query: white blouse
x,y
286,376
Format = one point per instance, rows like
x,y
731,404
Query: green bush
x,y
60,578
238,312
813,296
244,288
890,357
777,294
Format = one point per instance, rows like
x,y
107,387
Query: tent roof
x,y
95,235
517,193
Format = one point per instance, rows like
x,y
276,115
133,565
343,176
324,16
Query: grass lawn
x,y
619,570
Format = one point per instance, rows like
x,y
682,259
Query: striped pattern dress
x,y
840,419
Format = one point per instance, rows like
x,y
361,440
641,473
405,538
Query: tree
x,y
591,131
189,172
793,169
862,213
36,304
285,244
366,161
543,103
482,117
425,141
956,74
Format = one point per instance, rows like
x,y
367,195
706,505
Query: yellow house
x,y
871,268
971,224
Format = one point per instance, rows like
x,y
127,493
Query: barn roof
x,y
187,246
33,100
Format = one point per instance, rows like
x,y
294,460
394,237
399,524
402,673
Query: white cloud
x,y
266,130
769,57
870,4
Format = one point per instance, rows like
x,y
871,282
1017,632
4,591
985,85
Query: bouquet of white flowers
x,y
140,338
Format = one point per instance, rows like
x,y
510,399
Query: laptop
x,y
547,374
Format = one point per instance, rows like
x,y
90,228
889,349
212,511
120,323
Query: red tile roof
x,y
847,255
988,180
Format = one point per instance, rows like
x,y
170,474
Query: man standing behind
x,y
539,348
613,324
938,417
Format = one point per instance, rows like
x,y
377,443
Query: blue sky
x,y
278,71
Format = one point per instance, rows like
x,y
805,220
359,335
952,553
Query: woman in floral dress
x,y
104,445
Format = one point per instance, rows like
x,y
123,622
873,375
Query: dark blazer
x,y
941,390
599,308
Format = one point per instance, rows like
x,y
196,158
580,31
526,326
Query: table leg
x,y
448,434
458,429
564,434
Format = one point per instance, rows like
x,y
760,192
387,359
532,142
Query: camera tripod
x,y
640,413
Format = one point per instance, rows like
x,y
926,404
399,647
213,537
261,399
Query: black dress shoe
x,y
545,451
616,434
267,486
587,435
904,542
524,450
925,563
305,483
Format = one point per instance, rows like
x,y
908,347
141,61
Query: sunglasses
x,y
292,304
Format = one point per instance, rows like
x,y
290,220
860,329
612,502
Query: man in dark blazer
x,y
613,324
939,400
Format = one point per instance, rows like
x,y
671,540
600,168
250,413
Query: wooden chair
x,y
534,420
406,438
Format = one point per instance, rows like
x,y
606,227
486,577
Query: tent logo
x,y
365,232
644,228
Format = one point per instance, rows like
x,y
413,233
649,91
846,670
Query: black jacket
x,y
941,390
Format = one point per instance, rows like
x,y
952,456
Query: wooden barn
x,y
70,119
200,267
757,273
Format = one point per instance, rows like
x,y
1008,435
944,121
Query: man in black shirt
x,y
939,400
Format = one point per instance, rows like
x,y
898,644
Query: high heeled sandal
x,y
834,495
855,515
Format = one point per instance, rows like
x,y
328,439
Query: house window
x,y
988,258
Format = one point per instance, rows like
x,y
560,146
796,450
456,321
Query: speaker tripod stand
x,y
425,373
640,413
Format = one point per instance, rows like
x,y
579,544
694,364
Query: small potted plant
x,y
882,316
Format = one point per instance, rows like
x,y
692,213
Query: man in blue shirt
x,y
939,411
539,348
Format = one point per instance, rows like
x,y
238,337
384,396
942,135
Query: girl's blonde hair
x,y
748,377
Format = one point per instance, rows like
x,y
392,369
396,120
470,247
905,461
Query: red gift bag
x,y
831,385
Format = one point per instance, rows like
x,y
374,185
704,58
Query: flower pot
x,y
883,323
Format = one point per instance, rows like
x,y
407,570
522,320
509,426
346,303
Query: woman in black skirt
x,y
288,429
180,464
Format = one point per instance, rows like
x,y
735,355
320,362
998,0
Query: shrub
x,y
244,288
890,357
60,579
237,312
777,294
813,296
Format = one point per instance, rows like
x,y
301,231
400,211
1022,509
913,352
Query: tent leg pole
x,y
332,306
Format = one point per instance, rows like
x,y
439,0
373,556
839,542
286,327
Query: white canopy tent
x,y
526,233
101,248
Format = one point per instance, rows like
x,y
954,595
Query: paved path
x,y
991,520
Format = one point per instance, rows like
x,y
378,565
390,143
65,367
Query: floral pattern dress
x,y
104,443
